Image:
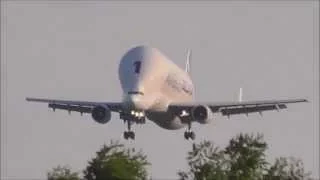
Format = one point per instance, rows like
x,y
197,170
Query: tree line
x,y
244,158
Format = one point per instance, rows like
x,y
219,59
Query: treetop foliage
x,y
242,159
114,161
62,173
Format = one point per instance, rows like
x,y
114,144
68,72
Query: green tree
x,y
287,168
206,161
246,154
62,173
243,159
115,162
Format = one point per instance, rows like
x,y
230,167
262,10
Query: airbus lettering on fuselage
x,y
179,84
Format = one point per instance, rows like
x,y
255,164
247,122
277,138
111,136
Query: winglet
x,y
240,95
187,68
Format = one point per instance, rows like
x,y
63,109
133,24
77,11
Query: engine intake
x,y
101,114
202,114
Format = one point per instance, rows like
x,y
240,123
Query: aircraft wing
x,y
78,106
244,107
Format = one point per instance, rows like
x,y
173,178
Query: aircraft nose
x,y
134,100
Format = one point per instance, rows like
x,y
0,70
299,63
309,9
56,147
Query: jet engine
x,y
101,114
202,114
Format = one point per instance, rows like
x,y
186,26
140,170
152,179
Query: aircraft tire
x,y
186,135
192,135
126,135
132,135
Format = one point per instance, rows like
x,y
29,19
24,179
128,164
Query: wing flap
x,y
56,101
242,103
78,106
243,107
81,109
246,110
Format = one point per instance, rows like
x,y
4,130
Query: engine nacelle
x,y
101,114
202,114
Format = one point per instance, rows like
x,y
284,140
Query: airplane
x,y
157,89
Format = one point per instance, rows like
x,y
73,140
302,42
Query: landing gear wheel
x,y
192,135
189,134
125,135
186,135
132,135
129,135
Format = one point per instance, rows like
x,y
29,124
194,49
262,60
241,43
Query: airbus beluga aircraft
x,y
156,89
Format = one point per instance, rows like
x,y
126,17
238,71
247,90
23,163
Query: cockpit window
x,y
136,92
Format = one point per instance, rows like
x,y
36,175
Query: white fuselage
x,y
150,82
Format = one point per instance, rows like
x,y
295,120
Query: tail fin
x,y
240,95
187,68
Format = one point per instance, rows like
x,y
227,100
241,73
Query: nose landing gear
x,y
129,134
130,118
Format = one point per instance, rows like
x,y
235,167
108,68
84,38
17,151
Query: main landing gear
x,y
189,134
130,118
129,134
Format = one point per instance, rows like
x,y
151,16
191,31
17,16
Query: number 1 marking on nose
x,y
137,66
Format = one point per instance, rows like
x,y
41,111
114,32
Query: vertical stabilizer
x,y
240,95
187,68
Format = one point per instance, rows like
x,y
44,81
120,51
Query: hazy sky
x,y
72,50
